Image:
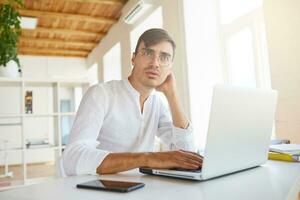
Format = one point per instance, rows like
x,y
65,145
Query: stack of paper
x,y
285,152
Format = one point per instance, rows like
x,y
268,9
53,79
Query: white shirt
x,y
109,119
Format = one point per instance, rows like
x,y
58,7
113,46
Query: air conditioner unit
x,y
134,9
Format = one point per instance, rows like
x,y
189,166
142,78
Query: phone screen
x,y
119,186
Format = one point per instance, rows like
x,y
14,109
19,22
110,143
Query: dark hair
x,y
154,36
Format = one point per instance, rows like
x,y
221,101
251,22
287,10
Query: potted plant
x,y
10,31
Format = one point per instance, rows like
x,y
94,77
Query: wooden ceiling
x,y
67,27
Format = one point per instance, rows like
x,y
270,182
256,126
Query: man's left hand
x,y
168,86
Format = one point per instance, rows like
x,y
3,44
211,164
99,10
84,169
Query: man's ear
x,y
133,57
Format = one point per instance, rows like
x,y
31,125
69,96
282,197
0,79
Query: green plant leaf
x,y
10,30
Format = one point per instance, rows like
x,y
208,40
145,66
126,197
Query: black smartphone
x,y
117,186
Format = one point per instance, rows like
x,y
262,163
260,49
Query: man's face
x,y
152,65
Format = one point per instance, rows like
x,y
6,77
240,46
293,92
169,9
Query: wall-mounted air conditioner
x,y
133,10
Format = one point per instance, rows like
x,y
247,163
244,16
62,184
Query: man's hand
x,y
169,85
175,159
118,162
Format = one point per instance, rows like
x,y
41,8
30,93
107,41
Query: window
x,y
112,63
225,43
243,41
231,10
241,60
204,62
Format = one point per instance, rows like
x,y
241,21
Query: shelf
x,y
41,115
38,115
34,148
10,115
11,124
10,81
49,98
77,83
43,147
67,113
13,149
70,82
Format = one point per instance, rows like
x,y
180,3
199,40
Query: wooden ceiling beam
x,y
108,2
65,31
79,34
53,52
89,45
6,2
66,16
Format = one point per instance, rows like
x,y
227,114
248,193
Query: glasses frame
x,y
153,55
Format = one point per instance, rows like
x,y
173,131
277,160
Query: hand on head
x,y
168,85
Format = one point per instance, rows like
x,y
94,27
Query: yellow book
x,y
283,157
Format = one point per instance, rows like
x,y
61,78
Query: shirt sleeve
x,y
173,137
81,155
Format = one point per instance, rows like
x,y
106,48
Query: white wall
x,y
283,36
40,68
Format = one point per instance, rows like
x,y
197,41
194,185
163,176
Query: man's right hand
x,y
118,162
174,159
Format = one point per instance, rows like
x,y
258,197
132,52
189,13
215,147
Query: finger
x,y
191,152
194,162
180,157
184,160
189,166
192,156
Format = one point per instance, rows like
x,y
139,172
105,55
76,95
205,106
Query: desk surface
x,y
274,180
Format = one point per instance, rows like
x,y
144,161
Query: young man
x,y
117,121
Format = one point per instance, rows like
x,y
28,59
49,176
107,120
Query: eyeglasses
x,y
164,59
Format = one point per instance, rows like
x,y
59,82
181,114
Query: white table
x,y
272,181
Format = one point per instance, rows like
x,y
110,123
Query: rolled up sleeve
x,y
173,137
82,158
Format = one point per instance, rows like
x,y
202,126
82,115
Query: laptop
x,y
239,133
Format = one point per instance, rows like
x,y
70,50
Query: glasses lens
x,y
163,59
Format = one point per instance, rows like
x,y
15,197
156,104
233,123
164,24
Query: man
x,y
117,121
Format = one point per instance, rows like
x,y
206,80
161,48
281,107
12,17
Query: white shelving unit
x,y
56,88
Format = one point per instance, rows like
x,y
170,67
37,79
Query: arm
x,y
117,162
174,129
170,91
81,155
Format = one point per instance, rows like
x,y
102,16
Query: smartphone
x,y
117,186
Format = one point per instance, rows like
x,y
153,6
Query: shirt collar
x,y
132,90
